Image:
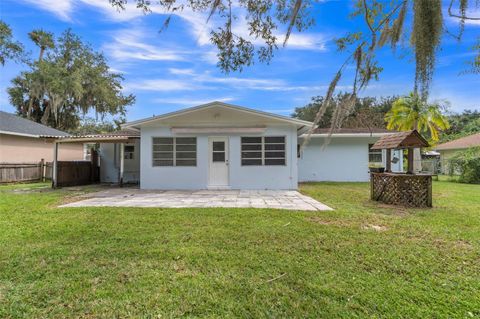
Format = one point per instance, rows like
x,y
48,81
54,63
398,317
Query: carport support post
x,y
122,161
54,166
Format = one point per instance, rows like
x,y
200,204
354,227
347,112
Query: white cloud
x,y
188,80
160,85
61,9
181,71
197,21
131,44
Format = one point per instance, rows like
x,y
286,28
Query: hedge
x,y
466,164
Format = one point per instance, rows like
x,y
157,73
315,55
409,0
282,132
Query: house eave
x,y
30,135
138,123
346,135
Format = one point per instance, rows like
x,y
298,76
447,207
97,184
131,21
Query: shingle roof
x,y
120,133
464,142
352,130
16,125
401,140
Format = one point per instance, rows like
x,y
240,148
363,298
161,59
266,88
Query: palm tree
x,y
412,113
43,39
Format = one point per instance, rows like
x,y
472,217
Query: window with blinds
x,y
263,150
174,151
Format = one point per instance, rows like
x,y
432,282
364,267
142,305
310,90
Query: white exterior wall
x,y
345,159
110,163
240,177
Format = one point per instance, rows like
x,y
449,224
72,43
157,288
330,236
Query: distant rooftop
x,y
352,130
461,143
16,125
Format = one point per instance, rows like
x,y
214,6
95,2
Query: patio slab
x,y
131,197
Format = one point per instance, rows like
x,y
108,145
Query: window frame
x,y
374,152
174,151
131,153
263,151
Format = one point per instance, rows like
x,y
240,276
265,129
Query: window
x,y
374,156
174,151
218,152
128,151
268,150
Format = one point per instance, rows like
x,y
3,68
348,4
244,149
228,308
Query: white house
x,y
223,146
218,146
346,157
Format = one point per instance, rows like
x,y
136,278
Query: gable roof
x,y
461,143
12,124
401,140
136,124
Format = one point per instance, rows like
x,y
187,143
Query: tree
x,y
368,112
9,49
382,23
67,81
91,125
463,124
412,113
44,40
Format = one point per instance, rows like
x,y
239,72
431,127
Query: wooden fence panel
x,y
20,172
48,170
74,173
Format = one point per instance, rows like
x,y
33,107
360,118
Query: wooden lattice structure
x,y
402,189
406,189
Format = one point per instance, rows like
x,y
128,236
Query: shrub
x,y
466,164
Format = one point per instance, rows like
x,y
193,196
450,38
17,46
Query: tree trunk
x,y
42,50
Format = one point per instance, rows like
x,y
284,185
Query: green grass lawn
x,y
361,260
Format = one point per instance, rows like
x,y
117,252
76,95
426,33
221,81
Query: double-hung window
x,y
174,151
374,156
263,150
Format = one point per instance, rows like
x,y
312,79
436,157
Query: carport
x,y
74,172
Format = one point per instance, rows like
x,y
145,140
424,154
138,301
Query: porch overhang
x,y
96,139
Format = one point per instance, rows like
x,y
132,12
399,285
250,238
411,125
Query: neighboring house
x,y
222,146
448,149
25,141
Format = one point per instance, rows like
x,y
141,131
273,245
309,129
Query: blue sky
x,y
177,68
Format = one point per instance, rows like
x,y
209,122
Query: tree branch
x,y
463,17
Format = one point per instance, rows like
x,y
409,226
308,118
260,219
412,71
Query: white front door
x,y
218,162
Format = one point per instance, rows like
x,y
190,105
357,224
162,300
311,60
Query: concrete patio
x,y
131,197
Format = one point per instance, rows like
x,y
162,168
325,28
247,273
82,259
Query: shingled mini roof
x,y
402,140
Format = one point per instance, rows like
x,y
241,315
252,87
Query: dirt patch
x,y
73,198
378,228
321,221
28,190
457,244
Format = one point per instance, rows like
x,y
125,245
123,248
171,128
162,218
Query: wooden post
x,y
388,164
42,170
371,187
410,161
122,161
429,193
55,165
